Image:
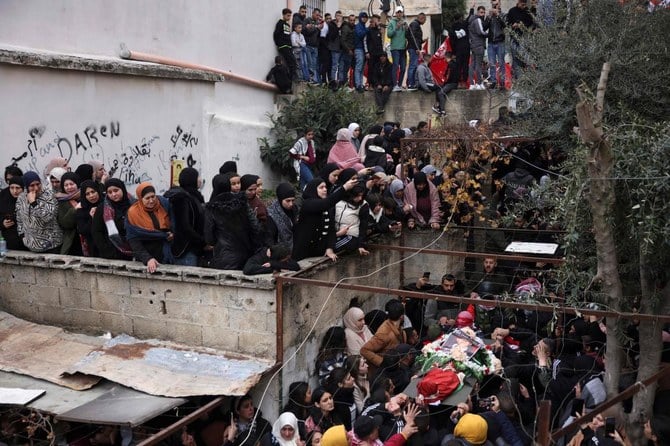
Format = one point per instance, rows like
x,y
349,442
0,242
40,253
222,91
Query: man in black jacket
x,y
414,42
496,46
282,39
452,75
375,43
382,81
311,29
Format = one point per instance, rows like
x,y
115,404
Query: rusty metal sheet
x,y
44,352
172,370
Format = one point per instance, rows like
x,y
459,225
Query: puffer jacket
x,y
232,228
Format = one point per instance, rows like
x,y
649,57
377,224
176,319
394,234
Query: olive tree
x,y
598,94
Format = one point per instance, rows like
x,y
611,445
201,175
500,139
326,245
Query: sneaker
x,y
397,88
437,110
443,113
412,88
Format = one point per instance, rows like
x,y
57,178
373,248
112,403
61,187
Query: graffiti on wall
x,y
127,157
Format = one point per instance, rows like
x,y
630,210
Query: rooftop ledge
x,y
16,55
176,273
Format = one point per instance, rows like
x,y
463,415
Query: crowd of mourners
x,y
364,369
363,189
361,390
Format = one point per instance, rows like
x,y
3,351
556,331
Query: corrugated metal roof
x,y
169,369
105,403
44,351
155,367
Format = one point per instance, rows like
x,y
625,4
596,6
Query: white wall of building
x,y
225,117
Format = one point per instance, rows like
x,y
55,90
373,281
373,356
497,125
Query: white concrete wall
x,y
222,34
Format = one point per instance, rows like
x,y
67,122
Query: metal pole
x,y
476,255
544,423
188,419
630,391
467,300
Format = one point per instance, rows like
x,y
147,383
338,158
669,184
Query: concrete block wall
x,y
200,307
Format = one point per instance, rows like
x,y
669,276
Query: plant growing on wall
x,y
318,108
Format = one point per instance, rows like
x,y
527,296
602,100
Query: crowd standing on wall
x,y
369,52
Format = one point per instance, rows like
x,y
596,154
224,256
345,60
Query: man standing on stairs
x,y
414,42
396,31
282,39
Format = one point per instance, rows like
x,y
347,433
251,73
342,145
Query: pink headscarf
x,y
344,153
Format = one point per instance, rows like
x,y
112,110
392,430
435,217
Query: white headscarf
x,y
286,419
352,316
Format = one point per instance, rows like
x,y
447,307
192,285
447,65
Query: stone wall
x,y
462,106
200,307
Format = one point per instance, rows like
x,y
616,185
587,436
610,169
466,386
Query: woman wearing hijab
x,y
396,191
355,131
54,178
282,216
314,235
355,330
55,162
108,228
84,171
284,432
351,221
249,185
149,229
188,208
424,200
231,227
89,204
375,155
330,173
8,198
37,216
68,199
344,153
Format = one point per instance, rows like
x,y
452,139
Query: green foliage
x,y
318,108
636,124
452,10
636,44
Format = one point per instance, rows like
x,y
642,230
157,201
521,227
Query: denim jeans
x,y
345,64
313,63
306,175
299,55
411,71
188,259
476,67
496,55
399,61
359,54
334,64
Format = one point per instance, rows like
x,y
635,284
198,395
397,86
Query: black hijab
x,y
7,202
123,205
188,180
310,191
326,171
85,204
420,178
221,184
85,172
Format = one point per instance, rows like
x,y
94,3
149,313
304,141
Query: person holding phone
x,y
8,198
246,428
